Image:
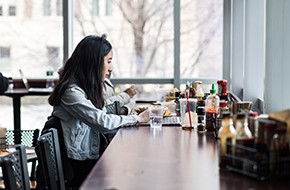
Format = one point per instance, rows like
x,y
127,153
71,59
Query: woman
x,y
79,103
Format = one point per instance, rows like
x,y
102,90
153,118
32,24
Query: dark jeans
x,y
81,171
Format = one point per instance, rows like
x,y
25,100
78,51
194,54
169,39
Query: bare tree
x,y
207,26
142,12
151,24
138,14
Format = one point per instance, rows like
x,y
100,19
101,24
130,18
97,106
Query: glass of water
x,y
156,116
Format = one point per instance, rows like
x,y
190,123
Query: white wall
x,y
277,86
260,52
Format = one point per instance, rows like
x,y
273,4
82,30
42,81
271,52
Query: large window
x,y
28,35
201,39
142,35
142,32
31,39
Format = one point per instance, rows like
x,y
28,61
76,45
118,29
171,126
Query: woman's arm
x,y
75,102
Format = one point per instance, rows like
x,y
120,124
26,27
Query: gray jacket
x,y
82,123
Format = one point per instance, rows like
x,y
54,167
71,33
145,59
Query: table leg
x,y
17,118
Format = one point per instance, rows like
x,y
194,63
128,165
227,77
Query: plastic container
x,y
261,165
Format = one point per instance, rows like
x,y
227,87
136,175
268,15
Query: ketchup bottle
x,y
222,89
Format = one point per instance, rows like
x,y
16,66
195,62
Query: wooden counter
x,y
168,158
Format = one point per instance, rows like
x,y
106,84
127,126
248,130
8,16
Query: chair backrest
x,y
26,138
50,159
113,108
23,137
106,138
14,169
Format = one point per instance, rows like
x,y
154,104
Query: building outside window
x,y
59,7
96,7
12,10
4,52
46,7
35,45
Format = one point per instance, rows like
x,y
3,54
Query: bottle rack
x,y
258,163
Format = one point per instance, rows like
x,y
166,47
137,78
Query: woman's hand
x,y
144,116
131,91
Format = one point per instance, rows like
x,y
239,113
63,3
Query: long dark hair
x,y
85,69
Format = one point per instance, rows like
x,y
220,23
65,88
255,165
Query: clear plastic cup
x,y
185,113
156,116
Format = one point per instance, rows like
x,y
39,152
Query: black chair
x,y
113,108
27,138
14,169
23,137
107,137
50,160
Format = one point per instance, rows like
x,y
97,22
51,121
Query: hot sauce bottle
x,y
211,109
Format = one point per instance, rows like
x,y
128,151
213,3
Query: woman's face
x,y
107,65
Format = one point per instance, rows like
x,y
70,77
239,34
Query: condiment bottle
x,y
244,138
223,107
211,109
200,119
261,141
198,90
191,90
200,110
226,134
222,89
253,123
243,131
177,105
